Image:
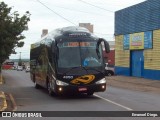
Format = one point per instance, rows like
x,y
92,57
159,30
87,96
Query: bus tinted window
x,y
73,54
69,57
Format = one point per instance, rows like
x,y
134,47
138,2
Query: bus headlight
x,y
58,82
101,81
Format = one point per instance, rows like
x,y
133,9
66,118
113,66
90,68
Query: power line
x,y
73,10
55,12
103,33
96,6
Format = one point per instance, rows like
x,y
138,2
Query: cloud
x,y
43,18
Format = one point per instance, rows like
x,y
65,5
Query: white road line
x,y
113,102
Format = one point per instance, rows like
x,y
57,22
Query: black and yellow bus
x,y
69,60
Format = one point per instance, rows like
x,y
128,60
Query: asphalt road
x,y
28,98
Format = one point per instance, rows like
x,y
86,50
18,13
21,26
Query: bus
x,y
69,60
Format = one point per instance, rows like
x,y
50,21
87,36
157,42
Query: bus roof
x,y
47,39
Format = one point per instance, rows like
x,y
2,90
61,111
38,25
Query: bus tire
x,y
50,92
36,85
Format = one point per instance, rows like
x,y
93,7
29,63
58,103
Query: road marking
x,y
113,102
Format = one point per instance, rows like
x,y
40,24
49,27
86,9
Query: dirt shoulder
x,y
134,83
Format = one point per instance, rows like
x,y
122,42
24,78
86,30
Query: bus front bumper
x,y
74,89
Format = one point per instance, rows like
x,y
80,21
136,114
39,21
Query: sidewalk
x,y
134,83
3,102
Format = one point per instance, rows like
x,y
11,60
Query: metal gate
x,y
137,63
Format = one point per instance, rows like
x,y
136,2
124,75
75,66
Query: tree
x,y
11,28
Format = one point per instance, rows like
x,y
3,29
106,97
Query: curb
x,y
3,107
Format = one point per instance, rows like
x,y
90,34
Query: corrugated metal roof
x,y
144,16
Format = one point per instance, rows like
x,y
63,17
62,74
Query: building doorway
x,y
137,63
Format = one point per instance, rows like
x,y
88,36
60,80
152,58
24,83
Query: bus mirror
x,y
106,44
107,47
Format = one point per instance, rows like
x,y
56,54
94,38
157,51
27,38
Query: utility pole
x,y
20,56
20,61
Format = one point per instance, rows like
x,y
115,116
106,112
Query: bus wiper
x,y
93,69
70,70
85,68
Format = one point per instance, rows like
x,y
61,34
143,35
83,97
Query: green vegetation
x,y
11,27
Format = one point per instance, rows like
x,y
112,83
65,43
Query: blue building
x,y
137,40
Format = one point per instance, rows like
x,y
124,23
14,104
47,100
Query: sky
x,y
62,13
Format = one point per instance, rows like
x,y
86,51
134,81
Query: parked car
x,y
14,67
109,71
19,68
27,69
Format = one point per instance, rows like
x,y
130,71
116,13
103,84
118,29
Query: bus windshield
x,y
75,54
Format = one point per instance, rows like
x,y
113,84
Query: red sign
x,y
82,44
82,89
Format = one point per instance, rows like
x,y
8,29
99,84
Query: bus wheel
x,y
50,92
36,85
90,93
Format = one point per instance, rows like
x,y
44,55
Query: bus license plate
x,y
82,89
